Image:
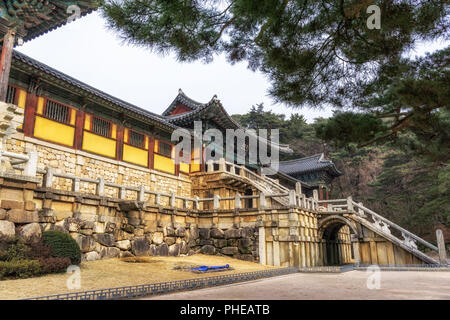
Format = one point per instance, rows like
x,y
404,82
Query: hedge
x,y
20,269
62,245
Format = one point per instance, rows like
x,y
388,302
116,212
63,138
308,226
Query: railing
x,y
167,287
377,221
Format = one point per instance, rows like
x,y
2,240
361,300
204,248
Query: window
x,y
136,139
56,111
165,149
101,127
11,95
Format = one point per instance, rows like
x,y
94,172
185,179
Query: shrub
x,y
20,269
54,265
17,249
62,245
39,250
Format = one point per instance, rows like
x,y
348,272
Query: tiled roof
x,y
183,99
308,164
19,57
35,18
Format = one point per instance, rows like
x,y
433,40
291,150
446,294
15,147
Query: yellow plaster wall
x,y
54,131
98,144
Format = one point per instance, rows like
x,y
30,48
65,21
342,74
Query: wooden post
x,y
441,247
5,62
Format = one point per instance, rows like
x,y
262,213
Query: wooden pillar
x,y
151,152
5,62
120,132
79,126
29,116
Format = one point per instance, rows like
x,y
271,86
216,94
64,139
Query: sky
x,y
88,51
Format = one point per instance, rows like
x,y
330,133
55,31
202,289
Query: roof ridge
x,y
304,158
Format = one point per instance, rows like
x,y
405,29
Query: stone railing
x,y
28,162
372,219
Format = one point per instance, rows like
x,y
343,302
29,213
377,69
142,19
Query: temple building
x,y
314,172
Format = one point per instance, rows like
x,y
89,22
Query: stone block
x,y
232,233
109,252
174,250
105,239
217,233
91,256
85,243
180,232
229,251
61,215
158,238
208,249
162,250
22,216
140,247
169,231
170,240
204,233
123,244
220,243
12,204
3,214
30,205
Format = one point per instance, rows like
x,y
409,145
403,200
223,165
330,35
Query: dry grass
x,y
116,273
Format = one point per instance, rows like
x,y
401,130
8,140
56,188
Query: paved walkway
x,y
351,285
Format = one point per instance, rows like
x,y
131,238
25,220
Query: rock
x,y
169,240
140,247
3,214
72,224
162,250
232,234
22,216
124,244
208,249
205,242
126,254
105,239
204,233
7,229
88,225
174,250
194,233
139,232
180,232
158,238
134,222
169,231
246,257
153,249
229,251
247,232
99,227
220,243
30,232
245,246
217,233
30,205
109,252
184,248
85,243
87,232
232,242
128,228
110,227
91,256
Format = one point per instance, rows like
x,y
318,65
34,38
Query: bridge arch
x,y
337,233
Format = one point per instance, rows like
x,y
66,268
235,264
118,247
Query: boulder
x,y
232,234
229,251
85,243
217,233
105,239
72,224
30,232
184,248
140,247
162,250
7,229
194,232
180,232
245,246
204,233
169,231
22,216
247,232
174,250
99,227
208,249
124,244
109,252
220,243
153,250
170,240
158,238
91,256
88,225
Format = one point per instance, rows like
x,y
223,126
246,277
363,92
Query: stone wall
x,y
84,164
105,227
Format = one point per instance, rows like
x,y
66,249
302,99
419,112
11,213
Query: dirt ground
x,y
112,273
342,286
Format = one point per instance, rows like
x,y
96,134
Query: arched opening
x,y
337,234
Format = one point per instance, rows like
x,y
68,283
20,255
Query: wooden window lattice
x,y
11,95
58,112
101,127
136,139
165,149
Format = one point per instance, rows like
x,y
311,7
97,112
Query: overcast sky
x,y
86,50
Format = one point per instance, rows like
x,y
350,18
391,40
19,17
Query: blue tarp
x,y
206,268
